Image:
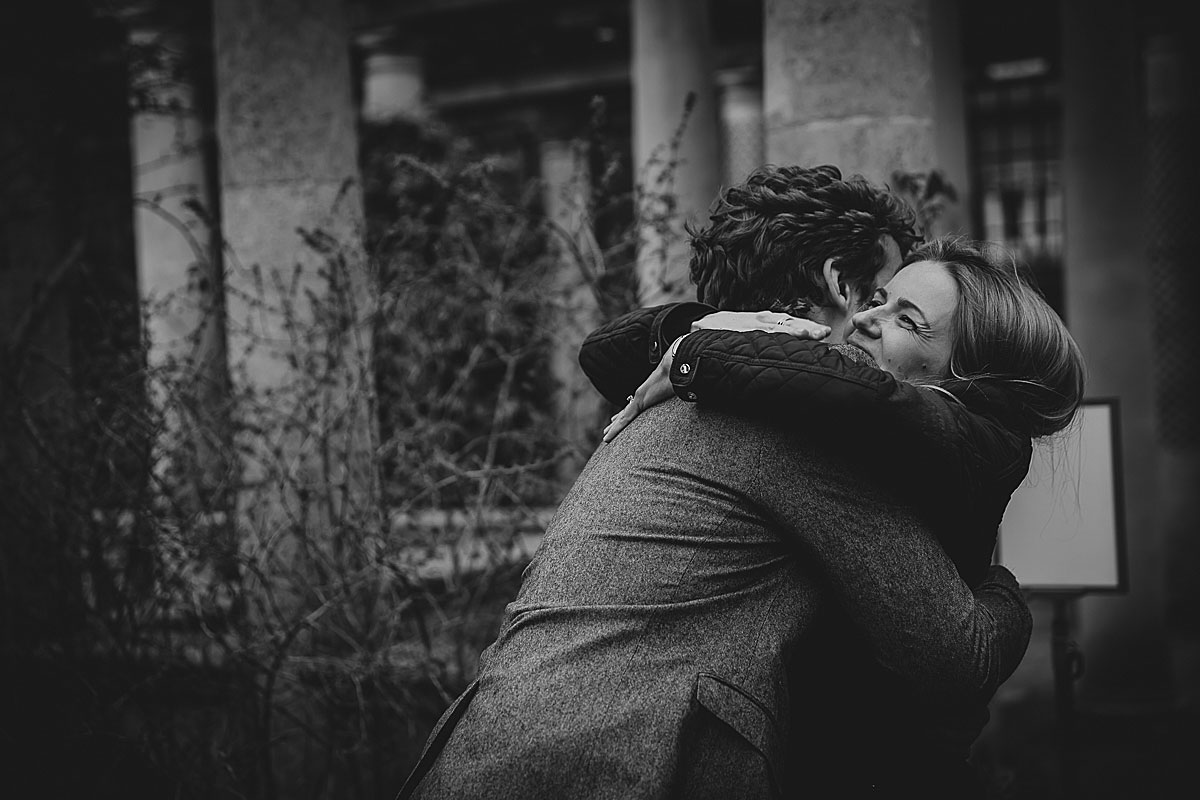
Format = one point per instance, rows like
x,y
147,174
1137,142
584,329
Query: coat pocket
x,y
753,722
437,739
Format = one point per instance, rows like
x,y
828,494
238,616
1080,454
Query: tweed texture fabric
x,y
646,654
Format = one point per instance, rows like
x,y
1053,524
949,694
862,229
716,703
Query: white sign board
x,y
1064,527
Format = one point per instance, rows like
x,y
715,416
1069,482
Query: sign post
x,y
1063,536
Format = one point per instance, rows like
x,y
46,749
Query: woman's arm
x,y
806,385
961,466
886,569
619,355
796,381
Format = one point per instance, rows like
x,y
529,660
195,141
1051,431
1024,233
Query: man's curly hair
x,y
768,238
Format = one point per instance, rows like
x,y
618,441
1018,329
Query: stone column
x,y
741,101
174,204
393,86
565,181
309,512
950,115
672,58
177,238
850,84
1109,310
296,289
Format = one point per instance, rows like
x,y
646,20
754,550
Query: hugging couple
x,y
774,576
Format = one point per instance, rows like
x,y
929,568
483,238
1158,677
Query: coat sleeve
x,y
806,385
899,588
619,355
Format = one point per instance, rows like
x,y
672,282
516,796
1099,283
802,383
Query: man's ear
x,y
837,289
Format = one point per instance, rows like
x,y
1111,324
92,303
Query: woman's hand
x,y
653,391
658,388
769,321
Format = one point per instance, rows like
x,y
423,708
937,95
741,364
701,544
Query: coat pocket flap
x,y
437,739
742,712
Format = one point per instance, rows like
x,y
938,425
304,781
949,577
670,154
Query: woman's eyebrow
x,y
904,302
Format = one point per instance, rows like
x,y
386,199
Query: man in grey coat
x,y
646,653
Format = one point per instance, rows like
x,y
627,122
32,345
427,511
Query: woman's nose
x,y
865,321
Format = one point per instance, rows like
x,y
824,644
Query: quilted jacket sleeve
x,y
957,451
888,572
620,354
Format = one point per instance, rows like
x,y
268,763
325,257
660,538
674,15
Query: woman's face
x,y
906,325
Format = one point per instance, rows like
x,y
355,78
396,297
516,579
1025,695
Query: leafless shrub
x,y
272,587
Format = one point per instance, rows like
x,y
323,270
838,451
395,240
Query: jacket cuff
x,y
672,322
684,367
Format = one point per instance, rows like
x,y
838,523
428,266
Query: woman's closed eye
x,y
918,328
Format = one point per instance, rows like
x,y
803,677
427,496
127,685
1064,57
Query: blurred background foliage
x,y
215,586
214,601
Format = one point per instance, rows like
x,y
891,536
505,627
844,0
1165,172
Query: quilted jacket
x,y
955,454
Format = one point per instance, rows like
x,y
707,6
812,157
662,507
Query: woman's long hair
x,y
1007,338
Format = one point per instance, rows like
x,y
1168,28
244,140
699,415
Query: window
x,y
1014,122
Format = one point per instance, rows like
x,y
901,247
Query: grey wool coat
x,y
645,655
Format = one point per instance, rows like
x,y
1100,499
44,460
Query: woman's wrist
x,y
673,322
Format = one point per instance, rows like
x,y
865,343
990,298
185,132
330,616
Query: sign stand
x,y
1063,536
1067,661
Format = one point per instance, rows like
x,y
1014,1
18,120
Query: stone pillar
x,y
565,183
309,512
292,217
1109,310
174,204
672,58
177,238
393,87
950,115
850,84
742,145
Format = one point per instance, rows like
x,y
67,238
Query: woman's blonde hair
x,y
1007,338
